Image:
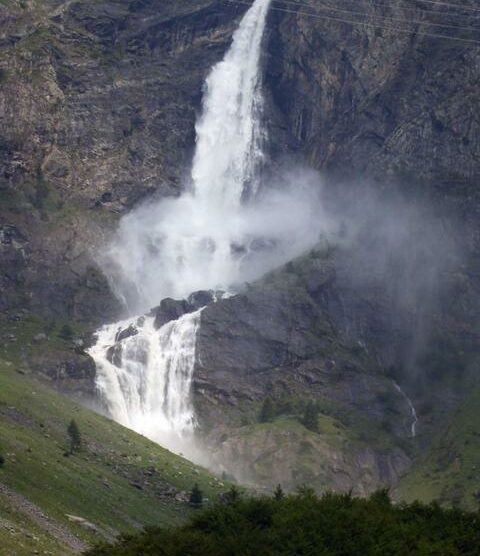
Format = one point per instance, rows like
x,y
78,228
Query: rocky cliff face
x,y
342,329
370,105
97,108
281,340
366,102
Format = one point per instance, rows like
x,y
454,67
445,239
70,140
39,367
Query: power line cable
x,y
450,5
362,23
388,18
418,11
422,10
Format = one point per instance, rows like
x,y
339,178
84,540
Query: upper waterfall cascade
x,y
203,239
175,247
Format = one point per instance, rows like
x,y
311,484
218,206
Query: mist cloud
x,y
172,247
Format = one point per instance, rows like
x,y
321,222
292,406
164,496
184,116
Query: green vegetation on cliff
x,y
52,500
333,525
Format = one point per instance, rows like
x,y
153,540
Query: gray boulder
x,y
172,309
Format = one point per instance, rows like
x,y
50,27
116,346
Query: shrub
x,y
75,437
232,496
278,493
50,326
2,461
285,406
267,413
196,497
245,421
66,332
310,417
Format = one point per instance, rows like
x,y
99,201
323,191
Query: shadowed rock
x,y
126,333
172,309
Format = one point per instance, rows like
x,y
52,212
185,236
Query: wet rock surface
x,y
172,309
126,333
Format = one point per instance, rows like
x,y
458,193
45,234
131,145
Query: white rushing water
x,y
225,229
178,246
229,134
145,379
411,407
199,241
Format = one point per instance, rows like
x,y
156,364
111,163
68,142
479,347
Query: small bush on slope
x,y
334,525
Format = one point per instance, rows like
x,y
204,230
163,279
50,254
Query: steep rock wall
x,y
97,106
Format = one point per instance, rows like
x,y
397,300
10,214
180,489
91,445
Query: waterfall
x,y
411,407
145,378
175,247
202,239
229,135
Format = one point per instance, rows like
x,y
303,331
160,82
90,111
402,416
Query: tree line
x,y
306,524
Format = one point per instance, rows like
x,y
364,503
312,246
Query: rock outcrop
x,y
172,309
339,329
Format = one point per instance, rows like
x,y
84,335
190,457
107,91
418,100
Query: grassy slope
x,y
95,484
19,534
449,471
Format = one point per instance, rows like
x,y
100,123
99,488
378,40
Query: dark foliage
x,y
278,494
232,496
310,417
196,497
2,461
75,438
66,332
267,413
334,525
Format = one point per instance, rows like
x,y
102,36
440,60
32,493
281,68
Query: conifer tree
x,y
66,332
233,495
310,417
196,497
278,494
75,438
267,413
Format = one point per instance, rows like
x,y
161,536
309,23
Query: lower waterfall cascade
x,y
145,379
